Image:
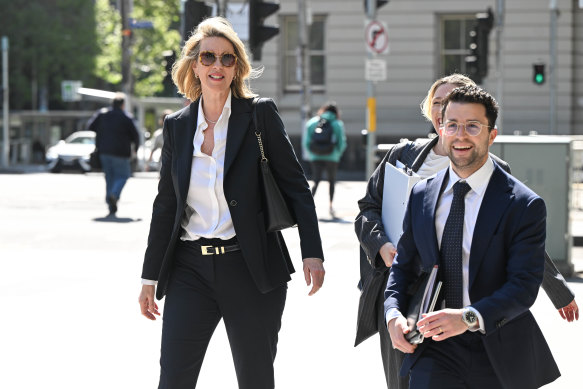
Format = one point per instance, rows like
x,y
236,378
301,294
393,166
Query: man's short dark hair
x,y
473,94
118,100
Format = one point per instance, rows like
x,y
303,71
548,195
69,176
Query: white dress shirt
x,y
478,181
207,213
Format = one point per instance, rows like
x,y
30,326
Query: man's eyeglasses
x,y
473,128
208,58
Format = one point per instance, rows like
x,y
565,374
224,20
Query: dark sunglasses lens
x,y
228,60
207,58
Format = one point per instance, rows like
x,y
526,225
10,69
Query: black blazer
x,y
266,254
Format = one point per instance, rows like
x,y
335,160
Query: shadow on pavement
x,y
334,220
115,219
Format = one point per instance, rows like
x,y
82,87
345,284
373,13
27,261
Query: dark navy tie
x,y
451,247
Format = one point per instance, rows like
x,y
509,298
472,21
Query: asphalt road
x,y
70,282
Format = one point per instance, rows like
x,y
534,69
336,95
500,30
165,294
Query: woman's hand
x,y
148,306
388,252
314,272
570,312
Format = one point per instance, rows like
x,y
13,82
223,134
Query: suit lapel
x,y
238,127
183,144
496,200
432,193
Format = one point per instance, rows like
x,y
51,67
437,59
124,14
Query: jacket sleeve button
x,y
233,203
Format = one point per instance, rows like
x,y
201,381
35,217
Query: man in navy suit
x,y
482,334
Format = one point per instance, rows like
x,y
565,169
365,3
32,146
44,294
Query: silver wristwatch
x,y
470,318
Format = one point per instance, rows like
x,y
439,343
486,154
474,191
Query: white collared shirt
x,y
478,181
207,212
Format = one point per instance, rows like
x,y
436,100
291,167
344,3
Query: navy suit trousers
x,y
202,290
459,362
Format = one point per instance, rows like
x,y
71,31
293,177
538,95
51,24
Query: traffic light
x,y
380,3
477,61
538,74
169,58
258,33
194,13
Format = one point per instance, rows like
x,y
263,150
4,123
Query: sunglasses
x,y
208,58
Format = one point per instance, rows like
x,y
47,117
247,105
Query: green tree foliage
x,y
55,40
50,41
148,45
108,31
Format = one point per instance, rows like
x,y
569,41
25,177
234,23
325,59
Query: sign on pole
x,y
375,70
376,37
70,89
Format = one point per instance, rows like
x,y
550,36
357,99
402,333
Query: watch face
x,y
470,317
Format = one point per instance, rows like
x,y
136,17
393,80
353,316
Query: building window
x,y
289,51
455,40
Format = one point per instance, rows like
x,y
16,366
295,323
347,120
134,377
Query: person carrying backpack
x,y
325,142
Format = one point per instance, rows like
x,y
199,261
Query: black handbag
x,y
277,213
94,160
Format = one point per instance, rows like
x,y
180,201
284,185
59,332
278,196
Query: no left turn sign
x,y
376,37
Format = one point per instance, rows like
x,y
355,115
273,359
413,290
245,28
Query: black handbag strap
x,y
258,130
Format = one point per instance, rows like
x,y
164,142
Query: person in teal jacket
x,y
328,161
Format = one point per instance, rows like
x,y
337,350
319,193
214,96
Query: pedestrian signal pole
x,y
5,121
553,67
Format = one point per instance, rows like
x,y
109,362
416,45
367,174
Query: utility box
x,y
544,164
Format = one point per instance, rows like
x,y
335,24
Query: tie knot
x,y
460,189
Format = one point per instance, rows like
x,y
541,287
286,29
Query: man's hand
x,y
570,312
397,329
443,324
314,273
148,306
388,252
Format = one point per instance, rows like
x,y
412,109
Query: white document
x,y
398,185
430,298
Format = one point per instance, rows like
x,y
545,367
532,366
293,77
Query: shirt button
x,y
233,203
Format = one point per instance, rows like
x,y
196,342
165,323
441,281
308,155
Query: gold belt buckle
x,y
207,250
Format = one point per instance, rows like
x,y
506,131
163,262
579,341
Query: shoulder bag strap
x,y
256,129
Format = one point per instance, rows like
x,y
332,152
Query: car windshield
x,y
83,140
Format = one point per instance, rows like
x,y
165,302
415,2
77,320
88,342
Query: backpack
x,y
323,139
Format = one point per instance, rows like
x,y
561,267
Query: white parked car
x,y
72,153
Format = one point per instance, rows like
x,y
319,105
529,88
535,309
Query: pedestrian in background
x,y
325,142
424,157
157,142
208,249
115,133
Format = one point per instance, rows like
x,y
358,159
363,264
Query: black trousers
x,y
318,168
459,362
201,291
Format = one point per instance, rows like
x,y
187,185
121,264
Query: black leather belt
x,y
214,246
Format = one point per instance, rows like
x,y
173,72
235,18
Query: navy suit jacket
x,y
505,273
266,255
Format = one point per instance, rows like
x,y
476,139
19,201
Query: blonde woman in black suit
x,y
208,250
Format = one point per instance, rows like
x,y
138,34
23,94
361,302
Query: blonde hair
x,y
183,74
454,79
